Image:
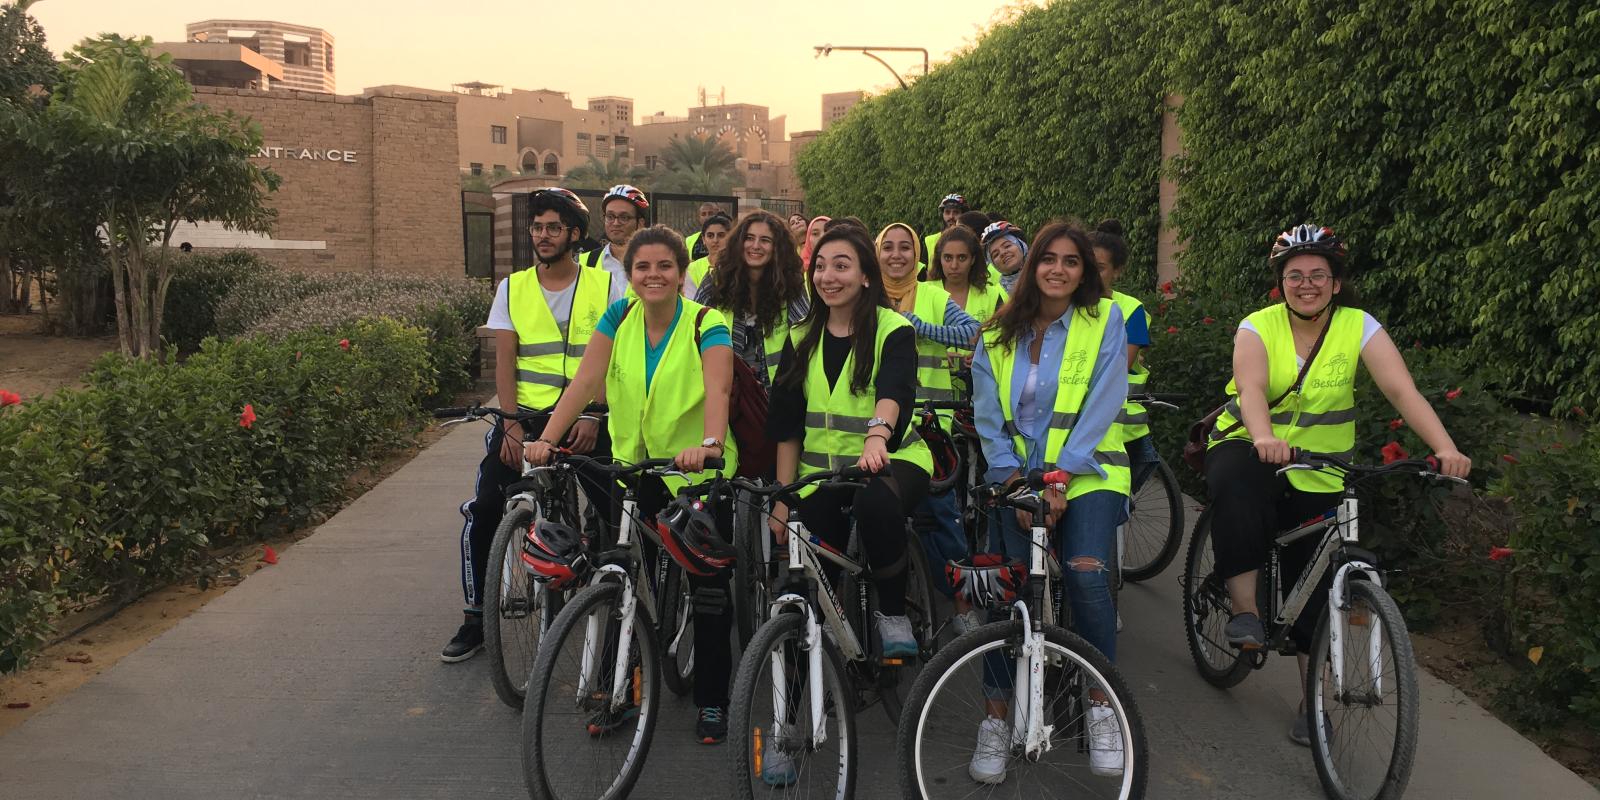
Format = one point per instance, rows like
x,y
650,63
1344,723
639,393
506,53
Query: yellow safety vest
x,y
982,304
668,417
1084,335
547,360
933,365
1321,417
1135,419
690,242
929,243
836,418
698,270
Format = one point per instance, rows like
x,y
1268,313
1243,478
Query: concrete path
x,y
320,678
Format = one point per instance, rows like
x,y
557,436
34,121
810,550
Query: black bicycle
x,y
518,610
1361,682
1150,539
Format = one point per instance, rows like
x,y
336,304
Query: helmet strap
x,y
1312,317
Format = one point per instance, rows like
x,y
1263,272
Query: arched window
x,y
551,165
530,163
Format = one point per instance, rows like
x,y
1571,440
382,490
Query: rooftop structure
x,y
305,53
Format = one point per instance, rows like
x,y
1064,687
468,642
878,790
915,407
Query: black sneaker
x,y
713,725
466,644
1245,632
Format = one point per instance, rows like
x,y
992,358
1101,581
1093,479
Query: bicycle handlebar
x,y
1422,467
479,412
943,405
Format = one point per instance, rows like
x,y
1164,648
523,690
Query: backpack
x,y
747,412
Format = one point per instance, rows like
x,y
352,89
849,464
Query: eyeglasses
x,y
1316,280
618,219
550,228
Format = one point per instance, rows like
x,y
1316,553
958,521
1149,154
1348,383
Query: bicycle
x,y
1361,657
1047,727
807,668
1150,539
512,597
599,667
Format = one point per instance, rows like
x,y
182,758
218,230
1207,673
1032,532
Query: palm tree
x,y
597,174
698,165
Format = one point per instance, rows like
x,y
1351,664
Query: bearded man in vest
x,y
542,319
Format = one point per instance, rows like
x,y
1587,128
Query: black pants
x,y
713,602
488,506
1250,506
881,509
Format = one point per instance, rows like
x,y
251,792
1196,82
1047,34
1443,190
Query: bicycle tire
x,y
775,633
508,642
1204,597
1407,700
912,730
677,612
541,758
1173,505
749,571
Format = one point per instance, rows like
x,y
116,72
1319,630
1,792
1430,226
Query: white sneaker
x,y
1105,742
994,750
966,622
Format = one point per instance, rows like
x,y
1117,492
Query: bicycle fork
x,y
1338,620
811,643
1032,732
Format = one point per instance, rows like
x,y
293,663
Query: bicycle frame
x,y
1339,528
804,548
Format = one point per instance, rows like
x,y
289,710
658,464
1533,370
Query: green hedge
x,y
1452,143
114,488
199,282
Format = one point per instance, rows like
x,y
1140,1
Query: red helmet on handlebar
x,y
557,554
990,581
690,535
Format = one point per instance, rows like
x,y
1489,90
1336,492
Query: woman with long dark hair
x,y
958,267
758,284
1049,379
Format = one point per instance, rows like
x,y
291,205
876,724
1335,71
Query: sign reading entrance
x,y
307,154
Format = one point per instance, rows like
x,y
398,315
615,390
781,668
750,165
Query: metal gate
x,y
680,212
477,233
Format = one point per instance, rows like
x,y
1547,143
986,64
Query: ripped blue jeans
x,y
1086,538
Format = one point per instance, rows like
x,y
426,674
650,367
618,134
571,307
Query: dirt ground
x,y
72,662
33,364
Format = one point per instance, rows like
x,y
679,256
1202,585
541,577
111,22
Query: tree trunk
x,y
119,290
7,293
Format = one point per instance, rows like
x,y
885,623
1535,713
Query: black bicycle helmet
x,y
946,455
690,536
1308,239
557,554
989,581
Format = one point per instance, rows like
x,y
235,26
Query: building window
x,y
477,169
327,57
497,134
650,163
498,168
551,165
297,54
530,164
583,144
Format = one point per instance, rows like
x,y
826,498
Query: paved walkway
x,y
320,678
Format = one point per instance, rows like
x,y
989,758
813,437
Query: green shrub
x,y
1554,487
199,283
124,484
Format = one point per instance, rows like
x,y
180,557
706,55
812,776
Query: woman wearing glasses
x,y
1256,435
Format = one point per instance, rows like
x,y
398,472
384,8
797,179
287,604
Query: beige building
x,y
305,54
758,141
837,104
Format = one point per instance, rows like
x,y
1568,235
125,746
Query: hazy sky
x,y
658,53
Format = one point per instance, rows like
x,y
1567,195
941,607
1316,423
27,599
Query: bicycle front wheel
x,y
1094,737
517,609
580,740
751,568
1364,734
1206,608
782,746
676,630
1155,526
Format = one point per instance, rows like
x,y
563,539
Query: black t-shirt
x,y
896,380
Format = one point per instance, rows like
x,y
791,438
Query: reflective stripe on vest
x,y
1135,418
668,417
1321,417
1084,335
838,440
933,363
546,360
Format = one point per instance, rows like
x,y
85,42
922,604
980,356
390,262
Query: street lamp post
x,y
827,49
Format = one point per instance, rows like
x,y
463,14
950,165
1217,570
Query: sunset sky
x,y
658,53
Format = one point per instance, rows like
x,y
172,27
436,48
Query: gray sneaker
x,y
1300,731
1245,631
895,633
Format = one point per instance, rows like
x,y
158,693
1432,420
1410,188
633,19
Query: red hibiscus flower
x,y
1166,288
344,344
1579,412
1393,452
247,417
1509,459
1274,293
1396,424
1453,393
1500,553
9,398
1207,321
1172,329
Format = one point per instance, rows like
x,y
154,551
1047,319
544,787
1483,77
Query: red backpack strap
x,y
699,319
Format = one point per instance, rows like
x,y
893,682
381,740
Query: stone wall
x,y
368,182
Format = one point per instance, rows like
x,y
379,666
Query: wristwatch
x,y
879,422
711,441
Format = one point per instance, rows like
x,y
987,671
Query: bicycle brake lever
x,y
454,422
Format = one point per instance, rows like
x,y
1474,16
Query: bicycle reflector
x,y
989,581
556,554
